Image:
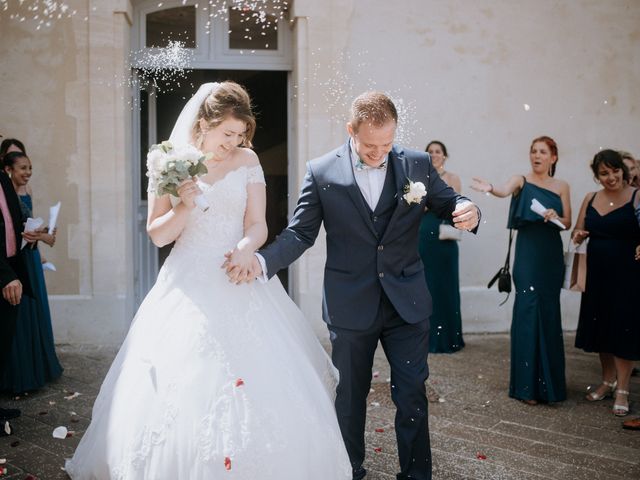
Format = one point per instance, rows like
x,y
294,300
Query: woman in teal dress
x,y
440,259
33,360
537,349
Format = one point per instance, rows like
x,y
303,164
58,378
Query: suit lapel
x,y
346,170
398,162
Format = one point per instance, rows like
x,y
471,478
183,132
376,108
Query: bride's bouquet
x,y
169,166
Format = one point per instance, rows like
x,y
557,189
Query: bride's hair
x,y
227,99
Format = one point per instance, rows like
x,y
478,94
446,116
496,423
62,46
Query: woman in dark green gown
x,y
33,361
441,270
537,349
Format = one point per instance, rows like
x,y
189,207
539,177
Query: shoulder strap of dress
x,y
633,196
592,197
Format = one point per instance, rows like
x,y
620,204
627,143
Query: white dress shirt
x,y
370,180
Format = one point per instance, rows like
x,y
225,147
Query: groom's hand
x,y
466,216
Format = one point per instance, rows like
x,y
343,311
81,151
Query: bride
x,y
215,380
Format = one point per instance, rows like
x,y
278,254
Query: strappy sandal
x,y
621,410
595,397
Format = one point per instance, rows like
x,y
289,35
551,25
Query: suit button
x,y
375,219
381,275
380,248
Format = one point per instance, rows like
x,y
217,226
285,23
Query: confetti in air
x,y
345,77
42,12
163,67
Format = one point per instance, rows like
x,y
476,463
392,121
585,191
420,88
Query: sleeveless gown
x,y
215,380
537,348
441,271
32,362
609,320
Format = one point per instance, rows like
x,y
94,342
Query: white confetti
x,y
72,396
527,107
60,432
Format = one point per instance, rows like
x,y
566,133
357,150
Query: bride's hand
x,y
239,265
188,191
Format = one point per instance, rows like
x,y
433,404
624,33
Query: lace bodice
x,y
219,228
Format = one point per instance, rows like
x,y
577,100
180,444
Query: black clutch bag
x,y
503,277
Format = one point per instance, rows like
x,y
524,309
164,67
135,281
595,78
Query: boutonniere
x,y
414,192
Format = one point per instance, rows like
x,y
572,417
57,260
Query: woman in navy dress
x,y
33,361
441,267
608,322
537,349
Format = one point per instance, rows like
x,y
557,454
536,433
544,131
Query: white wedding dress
x,y
215,380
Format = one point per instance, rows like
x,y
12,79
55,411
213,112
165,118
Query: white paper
x,y
49,266
538,208
31,225
53,216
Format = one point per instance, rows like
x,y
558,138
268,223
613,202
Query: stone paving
x,y
477,432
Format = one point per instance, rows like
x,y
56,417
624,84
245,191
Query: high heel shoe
x,y
618,409
595,396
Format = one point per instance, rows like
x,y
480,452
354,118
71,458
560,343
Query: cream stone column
x,y
102,311
313,133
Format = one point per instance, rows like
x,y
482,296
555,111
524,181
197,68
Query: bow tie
x,y
360,165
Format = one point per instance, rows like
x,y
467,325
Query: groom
x,y
369,197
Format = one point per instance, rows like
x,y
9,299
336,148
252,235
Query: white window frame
x,y
212,49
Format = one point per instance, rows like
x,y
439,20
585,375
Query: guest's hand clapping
x,y
578,236
188,191
480,185
638,252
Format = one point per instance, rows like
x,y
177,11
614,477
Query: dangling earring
x,y
200,140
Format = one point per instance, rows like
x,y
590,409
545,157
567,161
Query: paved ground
x,y
477,432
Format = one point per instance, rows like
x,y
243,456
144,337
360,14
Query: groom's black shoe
x,y
359,473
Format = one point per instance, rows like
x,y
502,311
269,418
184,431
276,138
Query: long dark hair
x,y
8,142
613,160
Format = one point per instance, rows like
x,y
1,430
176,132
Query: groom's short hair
x,y
375,108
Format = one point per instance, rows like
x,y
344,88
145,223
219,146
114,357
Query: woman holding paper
x,y
33,361
608,322
537,349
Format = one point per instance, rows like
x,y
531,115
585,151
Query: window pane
x,y
173,24
250,30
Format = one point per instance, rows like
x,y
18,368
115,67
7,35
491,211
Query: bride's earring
x,y
200,140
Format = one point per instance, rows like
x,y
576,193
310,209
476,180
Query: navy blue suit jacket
x,y
360,264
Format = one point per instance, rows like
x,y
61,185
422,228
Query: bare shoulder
x,y
560,185
247,157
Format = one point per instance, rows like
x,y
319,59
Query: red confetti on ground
x,y
239,382
227,463
481,456
69,434
42,413
30,477
377,449
379,430
15,444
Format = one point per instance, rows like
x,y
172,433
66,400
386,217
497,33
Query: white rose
x,y
414,192
155,161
